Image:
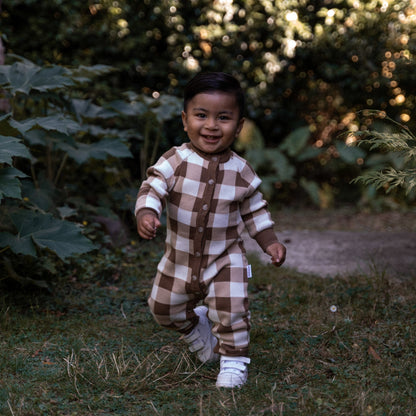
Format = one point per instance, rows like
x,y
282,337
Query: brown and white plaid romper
x,y
210,199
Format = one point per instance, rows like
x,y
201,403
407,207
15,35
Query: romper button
x,y
197,254
211,181
205,207
215,158
200,229
194,277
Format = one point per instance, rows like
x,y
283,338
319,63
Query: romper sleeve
x,y
255,213
154,190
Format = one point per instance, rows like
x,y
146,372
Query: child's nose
x,y
211,123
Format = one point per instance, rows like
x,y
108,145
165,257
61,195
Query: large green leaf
x,y
10,185
33,228
58,122
133,108
99,150
25,76
167,107
11,147
17,244
85,73
86,109
46,138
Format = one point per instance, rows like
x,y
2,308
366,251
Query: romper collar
x,y
223,156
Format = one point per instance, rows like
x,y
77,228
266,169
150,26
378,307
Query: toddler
x,y
211,195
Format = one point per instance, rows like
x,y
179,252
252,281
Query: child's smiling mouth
x,y
211,138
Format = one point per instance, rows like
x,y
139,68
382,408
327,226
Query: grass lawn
x,y
92,348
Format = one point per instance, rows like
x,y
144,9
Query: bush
x,y
62,178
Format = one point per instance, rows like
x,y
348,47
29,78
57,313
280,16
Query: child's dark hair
x,y
214,81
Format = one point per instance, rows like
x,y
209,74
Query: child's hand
x,y
147,225
278,253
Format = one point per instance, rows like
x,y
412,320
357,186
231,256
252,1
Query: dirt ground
x,y
343,242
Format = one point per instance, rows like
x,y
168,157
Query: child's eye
x,y
222,118
200,115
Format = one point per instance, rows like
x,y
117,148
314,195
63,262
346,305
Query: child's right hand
x,y
147,225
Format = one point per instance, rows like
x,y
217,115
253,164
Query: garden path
x,y
330,253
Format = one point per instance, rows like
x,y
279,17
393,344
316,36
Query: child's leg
x,y
227,300
177,311
172,307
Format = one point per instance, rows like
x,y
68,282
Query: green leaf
x,y
10,185
5,126
59,122
66,212
99,150
285,171
312,188
168,107
11,147
84,73
62,237
24,76
349,154
308,153
296,141
40,196
273,162
17,244
86,109
133,108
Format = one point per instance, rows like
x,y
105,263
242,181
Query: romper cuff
x,y
265,238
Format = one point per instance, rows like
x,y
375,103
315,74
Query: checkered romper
x,y
209,199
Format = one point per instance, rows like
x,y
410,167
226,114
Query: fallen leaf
x,y
374,353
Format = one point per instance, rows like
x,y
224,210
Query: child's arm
x,y
278,253
147,224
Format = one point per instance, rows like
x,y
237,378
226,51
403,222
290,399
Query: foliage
x,y
299,61
302,64
54,137
93,348
293,162
401,143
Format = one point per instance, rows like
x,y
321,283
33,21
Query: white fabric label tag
x,y
249,274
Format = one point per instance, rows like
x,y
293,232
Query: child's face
x,y
212,121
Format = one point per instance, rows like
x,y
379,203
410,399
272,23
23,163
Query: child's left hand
x,y
278,253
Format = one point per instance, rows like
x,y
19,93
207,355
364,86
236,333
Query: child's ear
x,y
184,121
240,126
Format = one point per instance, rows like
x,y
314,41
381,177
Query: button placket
x,y
202,217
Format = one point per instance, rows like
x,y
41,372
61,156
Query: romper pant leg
x,y
227,301
172,306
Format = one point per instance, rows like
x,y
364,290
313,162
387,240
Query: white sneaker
x,y
201,340
233,372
